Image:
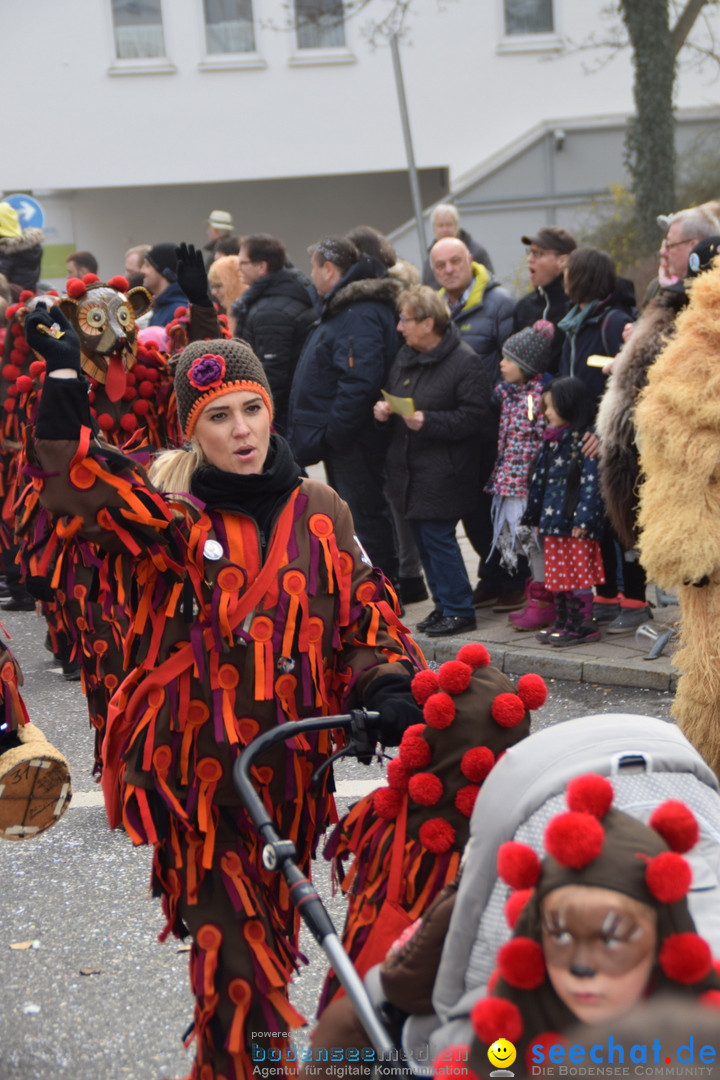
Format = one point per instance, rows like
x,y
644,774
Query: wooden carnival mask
x,y
104,319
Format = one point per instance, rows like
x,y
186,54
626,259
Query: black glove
x,y
58,352
192,275
390,695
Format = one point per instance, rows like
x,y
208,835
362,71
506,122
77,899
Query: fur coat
x,y
619,469
678,425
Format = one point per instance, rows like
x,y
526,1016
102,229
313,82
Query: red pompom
x,y
493,980
514,905
119,282
12,391
52,292
685,958
676,824
25,295
105,422
179,312
153,375
75,288
9,312
16,357
546,1039
507,710
668,877
474,654
521,963
397,775
425,789
439,711
452,1061
22,346
423,685
24,384
454,676
146,389
413,732
128,422
141,408
90,279
10,372
437,835
414,752
710,999
476,763
387,803
37,368
590,794
496,1018
465,799
130,394
518,865
532,691
140,370
574,839
8,405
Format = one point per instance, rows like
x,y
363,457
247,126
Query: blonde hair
x,y
171,472
226,272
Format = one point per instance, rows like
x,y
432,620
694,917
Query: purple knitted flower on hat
x,y
207,372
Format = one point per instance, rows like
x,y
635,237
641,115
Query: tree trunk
x,y
650,143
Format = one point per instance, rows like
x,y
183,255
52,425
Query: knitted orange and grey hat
x,y
207,369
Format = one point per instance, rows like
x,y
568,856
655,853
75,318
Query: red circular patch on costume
x,y
507,710
521,963
476,763
294,583
574,839
425,789
496,1018
228,677
532,691
209,770
239,991
590,794
437,835
320,525
209,937
676,824
439,711
262,628
685,958
423,685
247,728
162,758
230,579
197,713
454,676
156,697
668,877
518,865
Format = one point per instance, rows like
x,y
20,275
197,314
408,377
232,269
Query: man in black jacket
x,y
341,371
547,252
274,316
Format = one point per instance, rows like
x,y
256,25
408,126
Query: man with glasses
x,y
686,229
273,315
547,251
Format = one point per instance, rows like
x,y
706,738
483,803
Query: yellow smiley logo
x,y
502,1053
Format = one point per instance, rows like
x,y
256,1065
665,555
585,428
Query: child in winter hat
x,y
599,925
525,358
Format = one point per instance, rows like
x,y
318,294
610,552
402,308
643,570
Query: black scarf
x,y
257,495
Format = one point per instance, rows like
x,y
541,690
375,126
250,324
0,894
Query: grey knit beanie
x,y
207,369
530,347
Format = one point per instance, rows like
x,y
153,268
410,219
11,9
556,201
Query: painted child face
x,y
599,948
511,372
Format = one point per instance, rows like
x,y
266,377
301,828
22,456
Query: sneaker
x,y
412,590
512,600
484,596
430,620
452,624
629,619
605,612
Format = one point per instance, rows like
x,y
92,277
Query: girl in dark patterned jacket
x,y
526,356
565,506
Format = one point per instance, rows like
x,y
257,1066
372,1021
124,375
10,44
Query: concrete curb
x,y
558,664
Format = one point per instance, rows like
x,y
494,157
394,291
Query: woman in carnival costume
x,y
252,605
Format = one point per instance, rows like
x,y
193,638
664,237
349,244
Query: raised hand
x,y
51,336
192,276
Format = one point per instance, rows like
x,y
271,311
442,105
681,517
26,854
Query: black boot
x,y
577,629
561,616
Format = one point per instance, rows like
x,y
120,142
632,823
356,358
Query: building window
x,y
229,26
528,17
138,29
320,24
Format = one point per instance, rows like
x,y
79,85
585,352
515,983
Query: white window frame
x,y
324,54
546,41
228,61
150,65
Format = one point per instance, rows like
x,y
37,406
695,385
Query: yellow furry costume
x,y
678,425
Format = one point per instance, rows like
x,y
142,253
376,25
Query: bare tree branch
x,y
685,22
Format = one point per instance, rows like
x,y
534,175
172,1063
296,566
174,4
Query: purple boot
x,y
539,611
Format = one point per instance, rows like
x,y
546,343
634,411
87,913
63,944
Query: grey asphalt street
x,y
94,996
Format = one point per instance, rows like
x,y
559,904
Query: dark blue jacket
x,y
549,486
599,335
344,364
163,309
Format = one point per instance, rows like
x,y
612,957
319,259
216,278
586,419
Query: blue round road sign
x,y
29,211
